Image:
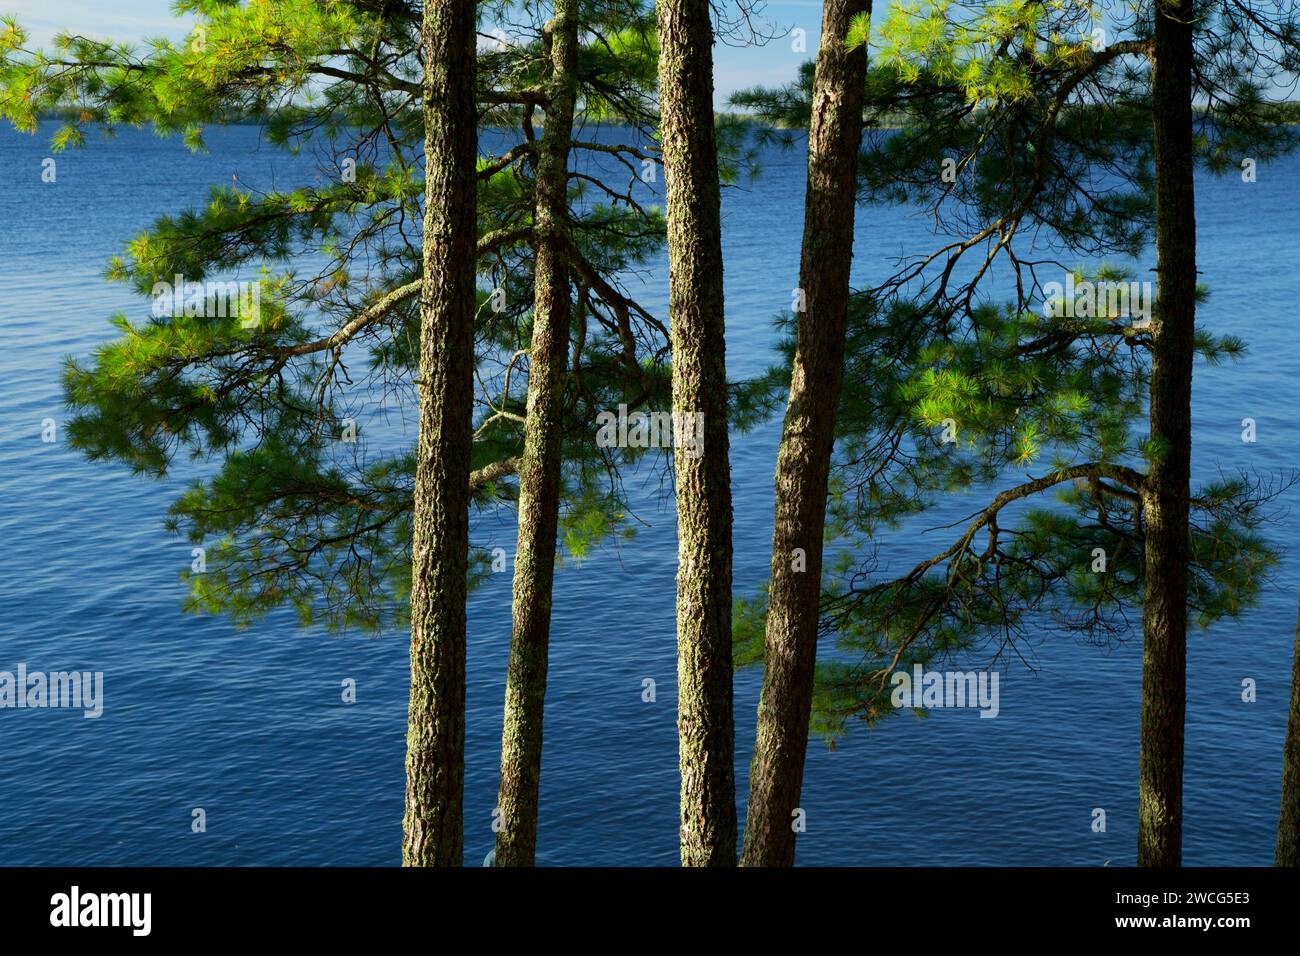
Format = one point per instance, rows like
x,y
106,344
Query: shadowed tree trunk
x,y
435,745
1288,821
807,440
1167,493
539,474
704,670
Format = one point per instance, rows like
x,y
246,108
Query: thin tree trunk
x,y
704,671
539,473
435,747
1166,498
807,440
1288,821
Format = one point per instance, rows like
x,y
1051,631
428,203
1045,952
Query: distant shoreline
x,y
1290,110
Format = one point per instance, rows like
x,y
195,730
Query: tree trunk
x,y
704,670
435,747
539,473
807,440
1288,821
1166,498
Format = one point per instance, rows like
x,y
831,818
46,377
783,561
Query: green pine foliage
x,y
1011,127
290,511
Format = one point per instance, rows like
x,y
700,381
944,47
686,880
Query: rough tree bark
x,y
1168,489
539,473
1288,821
435,747
704,668
807,440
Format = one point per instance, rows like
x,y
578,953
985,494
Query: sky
x,y
735,68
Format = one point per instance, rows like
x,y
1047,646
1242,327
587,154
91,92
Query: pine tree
x,y
1021,106
704,671
293,515
539,471
435,748
1288,822
1168,486
606,52
807,438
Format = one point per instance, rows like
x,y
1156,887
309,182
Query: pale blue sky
x,y
126,20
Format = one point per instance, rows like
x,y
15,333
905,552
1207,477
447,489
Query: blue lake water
x,y
250,725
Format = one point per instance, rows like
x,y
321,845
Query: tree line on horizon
x,y
485,289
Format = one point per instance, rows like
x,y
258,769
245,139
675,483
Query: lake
x,y
250,725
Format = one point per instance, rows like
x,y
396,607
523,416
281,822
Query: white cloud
x,y
124,21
